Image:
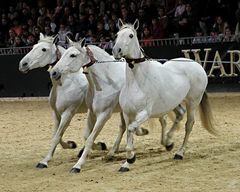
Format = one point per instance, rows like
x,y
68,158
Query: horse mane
x,y
98,49
47,39
128,25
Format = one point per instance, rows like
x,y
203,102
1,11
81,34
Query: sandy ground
x,y
210,163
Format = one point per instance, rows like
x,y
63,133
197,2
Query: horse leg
x,y
191,108
122,129
130,154
179,111
101,120
91,120
65,120
163,123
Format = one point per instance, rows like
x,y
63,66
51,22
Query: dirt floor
x,y
210,163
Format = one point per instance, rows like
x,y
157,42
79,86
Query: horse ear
x,y
41,36
82,42
70,42
120,23
55,39
136,24
61,49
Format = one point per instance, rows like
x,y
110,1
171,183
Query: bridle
x,y
91,62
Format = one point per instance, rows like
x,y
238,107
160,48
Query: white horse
x,y
66,99
105,83
152,90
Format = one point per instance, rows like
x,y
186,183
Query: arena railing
x,y
154,43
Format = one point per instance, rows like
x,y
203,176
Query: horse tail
x,y
206,115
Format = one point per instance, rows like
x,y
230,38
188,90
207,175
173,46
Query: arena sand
x,y
210,163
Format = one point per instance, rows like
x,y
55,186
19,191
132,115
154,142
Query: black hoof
x,y
103,146
41,166
72,144
75,170
123,169
169,147
178,157
80,153
131,161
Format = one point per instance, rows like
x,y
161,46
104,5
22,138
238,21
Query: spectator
x,y
186,22
30,25
214,37
160,26
17,27
47,31
11,39
220,25
199,38
18,42
146,37
31,40
40,23
101,32
62,33
228,37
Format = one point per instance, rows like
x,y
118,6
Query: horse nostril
x,y
24,64
54,74
119,50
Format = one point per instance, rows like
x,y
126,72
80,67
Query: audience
x,y
22,21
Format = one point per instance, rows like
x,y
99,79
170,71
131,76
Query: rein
x,y
92,61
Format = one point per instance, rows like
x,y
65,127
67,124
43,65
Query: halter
x,y
92,61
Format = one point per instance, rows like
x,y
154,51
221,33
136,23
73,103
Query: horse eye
x,y
44,49
72,55
131,36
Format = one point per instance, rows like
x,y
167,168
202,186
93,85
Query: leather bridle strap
x,y
131,62
92,60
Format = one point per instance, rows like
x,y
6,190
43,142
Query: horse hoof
x,y
131,161
72,144
80,152
41,166
75,170
123,169
178,157
103,146
169,147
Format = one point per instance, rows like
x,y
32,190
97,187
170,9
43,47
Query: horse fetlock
x,y
132,160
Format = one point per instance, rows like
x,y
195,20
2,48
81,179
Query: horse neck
x,y
102,70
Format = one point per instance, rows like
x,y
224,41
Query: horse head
x,y
42,54
126,43
72,60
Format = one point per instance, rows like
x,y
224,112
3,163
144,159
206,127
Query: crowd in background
x,y
96,20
